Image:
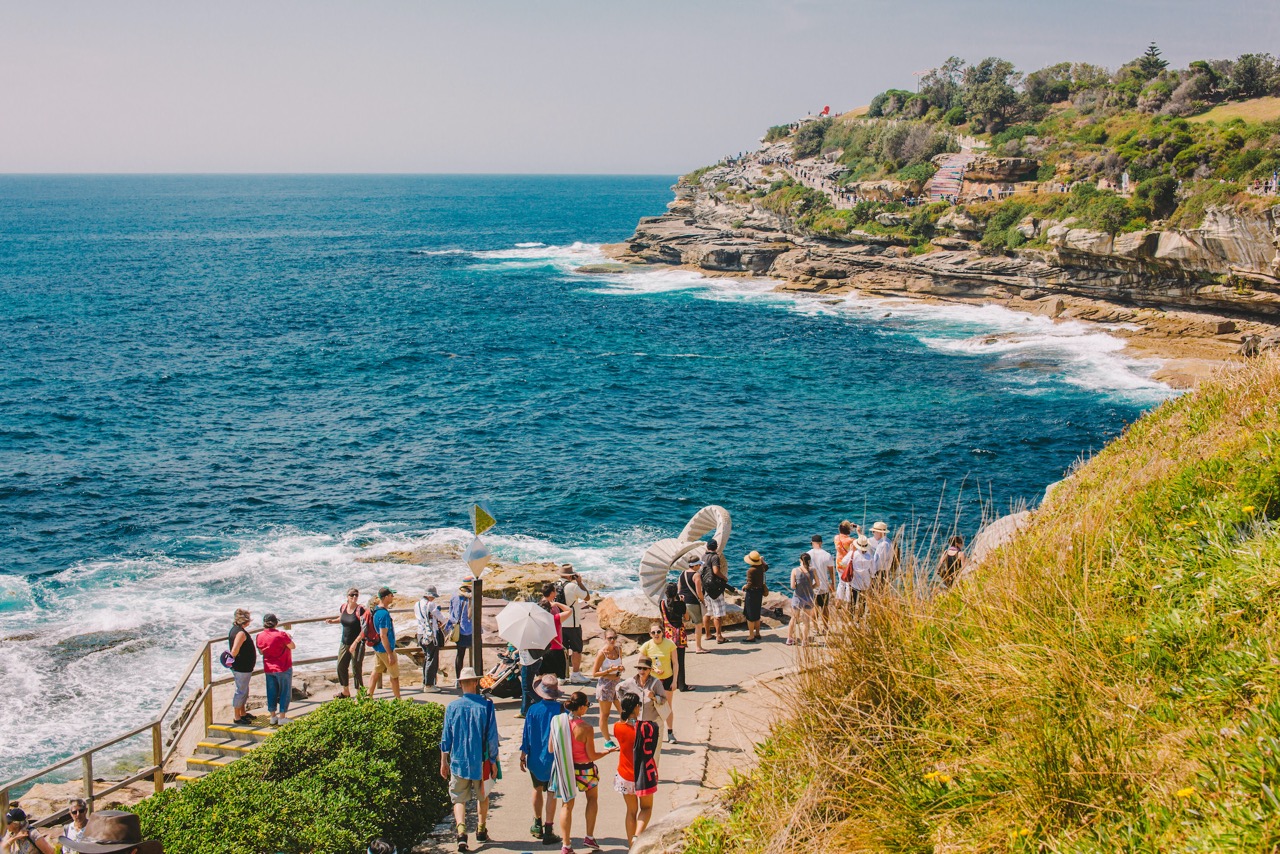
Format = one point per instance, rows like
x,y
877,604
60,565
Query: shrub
x,y
777,132
325,784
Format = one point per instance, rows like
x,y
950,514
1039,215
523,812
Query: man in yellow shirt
x,y
662,651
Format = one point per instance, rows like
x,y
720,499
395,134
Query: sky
x,y
493,86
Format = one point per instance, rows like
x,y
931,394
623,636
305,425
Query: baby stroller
x,y
503,679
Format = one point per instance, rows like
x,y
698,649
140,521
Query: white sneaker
x,y
579,678
273,720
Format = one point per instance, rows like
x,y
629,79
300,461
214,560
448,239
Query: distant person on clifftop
x,y
468,746
536,758
639,807
824,568
691,595
753,594
882,550
430,635
802,601
608,673
715,580
246,661
571,592
384,650
277,660
662,652
952,561
586,774
460,616
673,610
351,615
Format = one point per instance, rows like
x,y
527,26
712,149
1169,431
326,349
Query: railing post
x,y
206,664
157,756
86,764
477,634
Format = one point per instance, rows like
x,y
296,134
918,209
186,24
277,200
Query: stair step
x,y
227,746
236,731
188,777
209,760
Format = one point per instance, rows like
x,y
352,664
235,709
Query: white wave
x,y
439,252
1039,349
69,639
530,245
525,255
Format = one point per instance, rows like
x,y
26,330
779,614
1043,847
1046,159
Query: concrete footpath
x,y
717,726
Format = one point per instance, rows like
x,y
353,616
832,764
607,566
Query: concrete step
x,y
209,761
237,732
189,776
233,747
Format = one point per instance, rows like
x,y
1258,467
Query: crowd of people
x,y
559,740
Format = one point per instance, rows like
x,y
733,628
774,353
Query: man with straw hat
x,y
536,758
882,550
469,753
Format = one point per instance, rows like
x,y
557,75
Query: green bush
x,y
777,132
326,784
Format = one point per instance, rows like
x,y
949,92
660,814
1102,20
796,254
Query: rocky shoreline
x,y
1186,297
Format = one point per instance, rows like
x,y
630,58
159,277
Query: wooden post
x,y
207,666
477,634
157,756
4,800
86,764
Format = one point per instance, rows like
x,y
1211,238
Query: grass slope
x,y
1108,681
1254,110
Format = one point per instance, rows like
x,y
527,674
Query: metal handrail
x,y
160,756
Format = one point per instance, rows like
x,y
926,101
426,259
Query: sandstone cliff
x,y
1214,283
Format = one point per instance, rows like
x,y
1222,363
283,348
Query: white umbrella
x,y
525,625
713,517
658,561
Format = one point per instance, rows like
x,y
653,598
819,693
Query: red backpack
x,y
371,636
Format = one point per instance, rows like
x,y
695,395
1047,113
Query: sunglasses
x,y
645,669
76,811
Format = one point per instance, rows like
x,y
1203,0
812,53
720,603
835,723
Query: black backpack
x,y
713,585
560,593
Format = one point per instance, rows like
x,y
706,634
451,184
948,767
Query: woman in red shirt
x,y
639,807
277,660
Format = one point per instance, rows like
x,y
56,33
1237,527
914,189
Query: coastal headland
x,y
1189,296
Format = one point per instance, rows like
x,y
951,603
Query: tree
x,y
941,86
1048,85
1252,76
989,94
1150,63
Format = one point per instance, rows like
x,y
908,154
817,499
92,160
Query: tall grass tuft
x,y
1108,680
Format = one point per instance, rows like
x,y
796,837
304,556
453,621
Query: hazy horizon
x,y
560,88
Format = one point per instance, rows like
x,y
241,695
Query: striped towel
x,y
562,782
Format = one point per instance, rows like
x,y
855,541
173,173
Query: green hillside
x,y
1108,681
1178,139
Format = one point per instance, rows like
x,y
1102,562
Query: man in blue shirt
x,y
469,739
460,616
385,648
536,759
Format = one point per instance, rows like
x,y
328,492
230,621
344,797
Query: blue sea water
x,y
220,391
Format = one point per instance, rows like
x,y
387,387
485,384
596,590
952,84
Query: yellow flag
x,y
481,519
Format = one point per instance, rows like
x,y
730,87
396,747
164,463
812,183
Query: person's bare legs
x,y
549,812
482,807
698,629
633,806
605,707
566,823
593,807
460,817
644,813
395,687
719,630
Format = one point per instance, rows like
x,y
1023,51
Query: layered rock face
x,y
1226,274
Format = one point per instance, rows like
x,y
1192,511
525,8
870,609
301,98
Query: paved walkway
x,y
718,726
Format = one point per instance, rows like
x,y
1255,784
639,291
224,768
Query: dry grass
x,y
1062,696
1253,110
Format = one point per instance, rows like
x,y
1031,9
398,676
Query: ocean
x,y
220,391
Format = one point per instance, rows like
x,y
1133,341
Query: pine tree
x,y
1150,62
